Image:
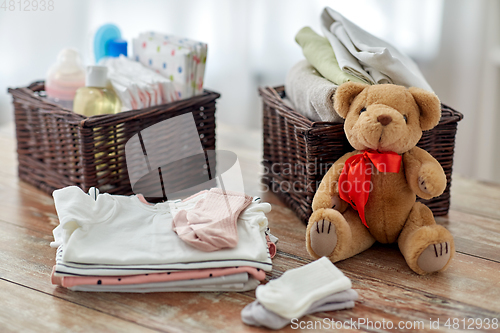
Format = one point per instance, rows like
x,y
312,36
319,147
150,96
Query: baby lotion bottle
x,y
65,77
96,97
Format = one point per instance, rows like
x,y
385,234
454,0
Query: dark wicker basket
x,y
58,148
298,152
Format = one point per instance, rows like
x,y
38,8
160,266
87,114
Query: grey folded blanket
x,y
310,93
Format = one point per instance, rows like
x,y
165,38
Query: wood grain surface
x,y
388,289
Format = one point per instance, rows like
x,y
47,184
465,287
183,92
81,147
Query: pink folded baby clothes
x,y
71,281
211,224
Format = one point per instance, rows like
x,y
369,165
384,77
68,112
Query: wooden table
x,y
388,289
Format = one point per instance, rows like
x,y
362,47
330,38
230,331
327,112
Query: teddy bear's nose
x,y
384,119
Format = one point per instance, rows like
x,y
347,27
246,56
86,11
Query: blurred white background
x,y
251,44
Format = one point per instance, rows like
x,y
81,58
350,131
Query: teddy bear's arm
x,y
424,174
327,194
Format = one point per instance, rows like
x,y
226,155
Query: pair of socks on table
x,y
256,314
318,286
211,224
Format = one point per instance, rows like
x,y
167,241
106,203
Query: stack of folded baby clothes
x,y
346,53
315,287
182,60
212,241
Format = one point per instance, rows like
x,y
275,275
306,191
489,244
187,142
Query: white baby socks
x,y
315,287
256,314
293,293
211,224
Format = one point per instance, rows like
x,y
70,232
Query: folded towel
x,y
320,54
372,51
345,59
378,77
349,64
310,93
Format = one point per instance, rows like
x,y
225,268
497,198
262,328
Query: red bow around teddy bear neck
x,y
355,179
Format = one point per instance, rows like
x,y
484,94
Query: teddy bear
x,y
370,194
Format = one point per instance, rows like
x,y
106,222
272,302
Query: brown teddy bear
x,y
369,194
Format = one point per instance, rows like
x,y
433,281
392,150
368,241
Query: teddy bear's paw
x,y
434,257
323,237
423,185
431,181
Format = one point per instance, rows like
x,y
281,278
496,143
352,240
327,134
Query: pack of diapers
x,y
136,85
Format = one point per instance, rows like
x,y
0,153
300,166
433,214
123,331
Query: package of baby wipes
x,y
182,60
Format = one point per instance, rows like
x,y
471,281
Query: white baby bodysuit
x,y
102,231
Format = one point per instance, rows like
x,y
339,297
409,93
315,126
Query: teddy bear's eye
x,y
362,110
406,119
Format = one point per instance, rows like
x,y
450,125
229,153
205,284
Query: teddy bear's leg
x,y
335,235
426,246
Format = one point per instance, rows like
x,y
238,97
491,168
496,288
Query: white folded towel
x,y
346,60
382,60
311,94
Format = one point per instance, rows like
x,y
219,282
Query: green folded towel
x,y
319,53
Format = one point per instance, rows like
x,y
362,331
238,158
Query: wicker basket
x,y
58,148
298,152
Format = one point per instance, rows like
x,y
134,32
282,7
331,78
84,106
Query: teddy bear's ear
x,y
430,107
344,96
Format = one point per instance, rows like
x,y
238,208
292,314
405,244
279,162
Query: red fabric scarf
x,y
355,179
